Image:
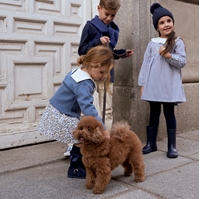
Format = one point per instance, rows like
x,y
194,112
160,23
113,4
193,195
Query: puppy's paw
x,y
89,185
96,190
127,173
139,178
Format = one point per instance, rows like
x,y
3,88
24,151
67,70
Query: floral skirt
x,y
57,126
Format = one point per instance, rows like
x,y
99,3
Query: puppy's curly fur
x,y
101,153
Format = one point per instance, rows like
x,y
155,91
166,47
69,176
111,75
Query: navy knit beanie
x,y
158,11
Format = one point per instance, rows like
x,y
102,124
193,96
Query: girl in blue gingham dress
x,y
160,78
73,97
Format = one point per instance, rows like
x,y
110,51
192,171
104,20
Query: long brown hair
x,y
169,44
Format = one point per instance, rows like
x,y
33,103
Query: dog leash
x,y
104,94
104,103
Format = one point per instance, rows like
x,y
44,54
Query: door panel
x,y
38,46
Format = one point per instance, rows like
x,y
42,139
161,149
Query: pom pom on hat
x,y
154,6
158,11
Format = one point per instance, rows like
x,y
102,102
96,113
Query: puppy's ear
x,y
98,136
75,134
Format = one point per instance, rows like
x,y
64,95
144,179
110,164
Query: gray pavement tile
x,y
136,194
193,135
50,182
185,147
155,162
24,157
195,156
179,183
158,161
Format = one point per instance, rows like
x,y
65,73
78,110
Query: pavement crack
x,y
33,166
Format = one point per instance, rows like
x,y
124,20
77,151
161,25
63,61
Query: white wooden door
x,y
38,46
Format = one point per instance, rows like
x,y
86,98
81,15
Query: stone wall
x,y
136,30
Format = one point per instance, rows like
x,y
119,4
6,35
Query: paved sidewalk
x,y
40,172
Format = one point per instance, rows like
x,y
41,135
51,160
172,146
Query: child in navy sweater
x,y
101,30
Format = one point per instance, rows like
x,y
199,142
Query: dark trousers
x,y
168,109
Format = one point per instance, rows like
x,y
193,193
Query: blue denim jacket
x,y
75,95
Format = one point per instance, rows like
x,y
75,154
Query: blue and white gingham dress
x,y
161,77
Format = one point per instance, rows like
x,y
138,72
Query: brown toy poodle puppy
x,y
102,153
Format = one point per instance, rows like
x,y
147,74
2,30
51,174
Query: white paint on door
x,y
38,46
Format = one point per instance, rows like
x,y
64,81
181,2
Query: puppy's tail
x,y
120,130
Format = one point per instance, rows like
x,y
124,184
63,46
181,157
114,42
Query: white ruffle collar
x,y
159,40
79,75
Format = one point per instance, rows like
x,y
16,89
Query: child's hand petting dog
x,y
108,134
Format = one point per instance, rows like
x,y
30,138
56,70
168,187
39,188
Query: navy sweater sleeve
x,y
88,39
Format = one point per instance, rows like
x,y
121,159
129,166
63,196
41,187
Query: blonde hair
x,y
98,56
110,4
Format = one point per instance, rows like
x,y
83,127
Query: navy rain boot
x,y
151,140
171,153
76,168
